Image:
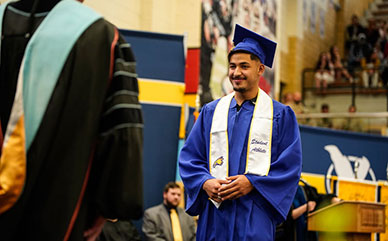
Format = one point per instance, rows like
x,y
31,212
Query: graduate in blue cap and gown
x,y
242,160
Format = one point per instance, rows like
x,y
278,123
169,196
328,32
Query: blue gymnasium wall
x,y
317,160
159,57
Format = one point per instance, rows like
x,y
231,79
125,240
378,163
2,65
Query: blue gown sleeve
x,y
193,165
279,187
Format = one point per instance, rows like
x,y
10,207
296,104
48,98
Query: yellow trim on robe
x,y
270,141
227,142
13,167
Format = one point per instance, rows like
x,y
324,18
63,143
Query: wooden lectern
x,y
348,220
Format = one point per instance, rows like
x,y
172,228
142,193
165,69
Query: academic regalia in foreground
x,y
85,157
254,216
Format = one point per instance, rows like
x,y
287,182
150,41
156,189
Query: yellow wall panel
x,y
161,92
357,191
190,99
124,14
315,180
163,16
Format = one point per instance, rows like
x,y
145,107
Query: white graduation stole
x,y
259,143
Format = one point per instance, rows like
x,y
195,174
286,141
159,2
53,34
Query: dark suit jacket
x,y
157,224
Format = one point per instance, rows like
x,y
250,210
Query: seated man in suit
x,y
167,221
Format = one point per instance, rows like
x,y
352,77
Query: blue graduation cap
x,y
247,40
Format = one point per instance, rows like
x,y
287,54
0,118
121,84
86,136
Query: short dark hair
x,y
253,57
170,185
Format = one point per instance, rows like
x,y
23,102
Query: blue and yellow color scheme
x,y
334,170
160,60
218,162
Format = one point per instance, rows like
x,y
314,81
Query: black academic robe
x,y
85,159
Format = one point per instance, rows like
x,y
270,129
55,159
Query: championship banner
x,y
217,29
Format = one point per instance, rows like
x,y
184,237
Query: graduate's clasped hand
x,y
233,187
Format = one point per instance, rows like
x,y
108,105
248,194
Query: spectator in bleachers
x,y
324,72
294,100
385,45
370,69
352,32
299,108
325,122
379,52
383,62
352,124
360,50
382,28
372,33
384,71
288,99
384,76
384,51
339,69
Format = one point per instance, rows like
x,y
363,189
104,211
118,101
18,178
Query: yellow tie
x,y
176,226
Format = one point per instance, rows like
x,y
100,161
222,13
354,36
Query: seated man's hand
x,y
212,186
239,186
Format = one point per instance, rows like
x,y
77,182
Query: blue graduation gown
x,y
255,215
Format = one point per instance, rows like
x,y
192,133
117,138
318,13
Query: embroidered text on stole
x,y
259,141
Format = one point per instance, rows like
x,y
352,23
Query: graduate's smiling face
x,y
245,72
172,197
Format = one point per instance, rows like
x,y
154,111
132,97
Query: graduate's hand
x,y
212,186
239,186
92,233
